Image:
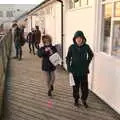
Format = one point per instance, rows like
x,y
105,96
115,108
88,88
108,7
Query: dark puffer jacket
x,y
79,57
46,64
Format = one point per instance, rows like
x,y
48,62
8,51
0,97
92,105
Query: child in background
x,y
49,69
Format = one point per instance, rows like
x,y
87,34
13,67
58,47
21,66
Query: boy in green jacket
x,y
78,59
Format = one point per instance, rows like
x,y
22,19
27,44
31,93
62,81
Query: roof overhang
x,y
44,4
34,11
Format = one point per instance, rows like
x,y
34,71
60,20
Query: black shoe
x,y
15,57
52,88
84,103
76,103
20,59
49,93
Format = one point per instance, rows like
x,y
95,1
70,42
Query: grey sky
x,y
20,1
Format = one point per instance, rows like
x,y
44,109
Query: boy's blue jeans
x,y
18,50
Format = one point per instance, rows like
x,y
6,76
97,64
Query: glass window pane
x,y
77,3
116,39
106,0
117,9
71,4
90,2
107,13
84,2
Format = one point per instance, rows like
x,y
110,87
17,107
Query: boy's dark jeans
x,y
37,45
19,52
33,48
80,82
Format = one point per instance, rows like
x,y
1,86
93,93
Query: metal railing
x,y
5,48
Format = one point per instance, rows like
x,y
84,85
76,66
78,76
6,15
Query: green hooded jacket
x,y
79,57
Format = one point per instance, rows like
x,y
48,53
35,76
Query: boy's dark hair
x,y
79,34
37,27
46,38
14,25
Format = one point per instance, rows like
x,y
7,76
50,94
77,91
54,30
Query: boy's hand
x,y
48,49
51,52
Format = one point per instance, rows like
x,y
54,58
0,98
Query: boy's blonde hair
x,y
46,38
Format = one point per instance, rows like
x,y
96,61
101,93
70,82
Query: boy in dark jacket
x,y
37,37
78,59
17,40
49,69
31,41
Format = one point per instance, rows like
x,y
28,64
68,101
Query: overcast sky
x,y
20,1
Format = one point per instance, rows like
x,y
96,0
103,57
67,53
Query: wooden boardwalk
x,y
26,96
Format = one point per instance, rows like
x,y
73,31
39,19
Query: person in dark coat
x,y
31,41
49,69
17,40
78,59
37,37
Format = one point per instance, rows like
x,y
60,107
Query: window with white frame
x,y
84,2
107,15
71,4
78,3
117,9
110,37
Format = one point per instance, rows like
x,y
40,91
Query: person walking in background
x,y
17,40
31,41
22,35
44,31
22,31
49,69
78,59
13,43
37,37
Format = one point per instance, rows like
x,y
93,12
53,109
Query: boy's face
x,y
78,41
47,42
15,27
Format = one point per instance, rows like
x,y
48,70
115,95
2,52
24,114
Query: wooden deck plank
x,y
26,96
